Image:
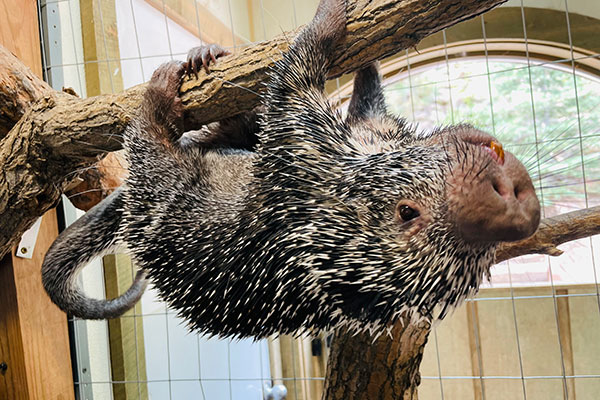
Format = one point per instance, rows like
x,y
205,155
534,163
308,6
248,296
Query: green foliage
x,y
546,115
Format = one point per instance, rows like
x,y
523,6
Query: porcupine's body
x,y
329,221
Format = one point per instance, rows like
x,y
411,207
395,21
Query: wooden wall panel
x,y
13,382
543,350
19,31
33,332
34,339
43,326
584,313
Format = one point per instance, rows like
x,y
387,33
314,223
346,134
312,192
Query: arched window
x,y
543,112
531,77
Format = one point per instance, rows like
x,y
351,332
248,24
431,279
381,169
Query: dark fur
x,y
90,236
300,232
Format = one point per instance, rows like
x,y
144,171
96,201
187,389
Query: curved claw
x,y
203,56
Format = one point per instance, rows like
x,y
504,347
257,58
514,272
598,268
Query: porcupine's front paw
x,y
203,56
166,80
163,96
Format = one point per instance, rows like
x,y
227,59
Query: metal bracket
x,y
277,392
27,243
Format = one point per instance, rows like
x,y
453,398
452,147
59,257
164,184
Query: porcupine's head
x,y
435,206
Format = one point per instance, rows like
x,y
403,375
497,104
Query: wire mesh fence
x,y
528,72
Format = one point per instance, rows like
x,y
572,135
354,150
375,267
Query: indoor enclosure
x,y
527,71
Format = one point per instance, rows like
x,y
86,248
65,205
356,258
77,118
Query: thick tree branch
x,y
49,135
553,232
62,133
43,150
376,29
388,368
19,88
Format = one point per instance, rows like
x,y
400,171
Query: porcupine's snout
x,y
492,195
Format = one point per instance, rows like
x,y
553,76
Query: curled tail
x,y
90,236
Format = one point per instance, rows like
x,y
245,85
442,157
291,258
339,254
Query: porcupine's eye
x,y
406,213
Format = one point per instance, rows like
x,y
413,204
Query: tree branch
x,y
553,232
19,88
376,29
387,368
48,136
62,133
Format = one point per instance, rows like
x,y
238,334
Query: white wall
x,y
147,39
63,41
93,357
591,8
176,359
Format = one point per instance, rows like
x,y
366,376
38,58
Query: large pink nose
x,y
496,200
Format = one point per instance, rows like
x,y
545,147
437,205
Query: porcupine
x,y
100,225
330,221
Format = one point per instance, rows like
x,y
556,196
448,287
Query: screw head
x,y
23,250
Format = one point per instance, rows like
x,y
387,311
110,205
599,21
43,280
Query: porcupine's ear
x,y
367,97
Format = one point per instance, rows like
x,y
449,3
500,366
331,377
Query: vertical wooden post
x,y
100,47
34,341
291,367
318,366
128,357
101,53
566,342
475,346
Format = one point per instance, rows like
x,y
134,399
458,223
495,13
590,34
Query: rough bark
x,y
388,368
61,133
42,153
553,232
19,87
376,29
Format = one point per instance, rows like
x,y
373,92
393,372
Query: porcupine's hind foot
x,y
329,23
306,65
296,88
